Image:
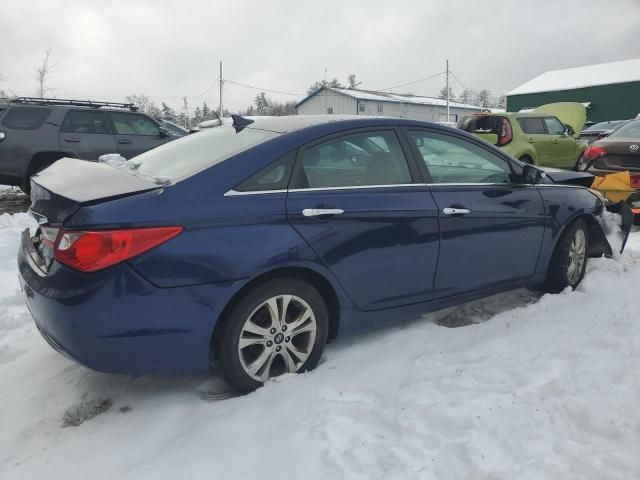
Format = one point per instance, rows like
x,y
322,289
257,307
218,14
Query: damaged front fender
x,y
603,234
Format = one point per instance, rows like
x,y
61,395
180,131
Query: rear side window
x,y
532,125
274,176
85,121
362,159
25,118
134,124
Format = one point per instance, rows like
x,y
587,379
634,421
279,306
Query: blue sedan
x,y
251,246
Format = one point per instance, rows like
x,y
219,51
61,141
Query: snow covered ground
x,y
523,388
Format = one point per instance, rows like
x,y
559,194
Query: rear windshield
x,y
25,118
481,124
630,130
603,125
188,155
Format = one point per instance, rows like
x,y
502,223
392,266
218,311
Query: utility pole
x,y
186,108
221,83
448,116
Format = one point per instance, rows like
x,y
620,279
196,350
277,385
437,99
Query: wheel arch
x,y
319,281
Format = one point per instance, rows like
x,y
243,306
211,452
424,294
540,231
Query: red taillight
x,y
593,152
635,180
89,251
506,133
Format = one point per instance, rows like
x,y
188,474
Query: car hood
x,y
570,113
566,177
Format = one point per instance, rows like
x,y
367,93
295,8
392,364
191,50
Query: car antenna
x,y
239,122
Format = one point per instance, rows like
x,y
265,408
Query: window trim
x,y
115,130
426,175
101,112
414,172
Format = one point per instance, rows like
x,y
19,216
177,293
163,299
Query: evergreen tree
x,y
197,116
206,113
262,103
443,93
484,98
466,96
167,112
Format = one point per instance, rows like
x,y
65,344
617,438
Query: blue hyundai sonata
x,y
250,246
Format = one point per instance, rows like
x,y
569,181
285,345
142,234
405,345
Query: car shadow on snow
x,y
120,394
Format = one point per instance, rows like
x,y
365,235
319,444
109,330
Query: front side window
x,y
554,127
532,125
454,160
361,159
134,124
85,121
26,118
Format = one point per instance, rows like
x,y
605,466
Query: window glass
x,y
134,124
372,158
532,125
380,108
554,127
454,160
85,121
629,130
329,110
361,107
26,118
274,176
188,155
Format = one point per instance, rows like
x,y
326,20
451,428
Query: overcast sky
x,y
169,49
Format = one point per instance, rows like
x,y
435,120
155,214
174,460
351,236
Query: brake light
x,y
89,251
506,133
635,180
592,152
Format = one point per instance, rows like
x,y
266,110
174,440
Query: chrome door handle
x,y
318,212
456,211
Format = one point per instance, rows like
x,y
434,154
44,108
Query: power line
x,y
210,86
263,89
413,82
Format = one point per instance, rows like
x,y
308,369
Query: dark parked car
x,y
172,129
35,132
599,130
618,152
268,238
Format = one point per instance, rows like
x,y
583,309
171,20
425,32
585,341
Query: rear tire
x,y
264,334
569,260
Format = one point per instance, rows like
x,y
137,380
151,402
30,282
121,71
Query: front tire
x,y
569,261
278,327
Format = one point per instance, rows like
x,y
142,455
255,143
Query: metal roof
x,y
582,77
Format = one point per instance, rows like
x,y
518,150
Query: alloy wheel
x,y
577,256
277,337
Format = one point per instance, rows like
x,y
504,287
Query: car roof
x,y
290,123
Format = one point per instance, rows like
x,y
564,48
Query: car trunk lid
x,y
59,191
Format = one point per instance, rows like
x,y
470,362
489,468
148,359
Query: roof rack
x,y
75,103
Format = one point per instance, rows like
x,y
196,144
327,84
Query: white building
x,y
350,101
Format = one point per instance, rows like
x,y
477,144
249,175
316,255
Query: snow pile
x,y
118,161
529,388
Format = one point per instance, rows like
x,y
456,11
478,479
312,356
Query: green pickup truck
x,y
546,136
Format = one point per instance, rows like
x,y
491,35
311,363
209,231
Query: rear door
x,y
86,133
563,146
491,227
355,198
136,133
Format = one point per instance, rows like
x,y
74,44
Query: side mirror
x,y
532,175
570,130
163,133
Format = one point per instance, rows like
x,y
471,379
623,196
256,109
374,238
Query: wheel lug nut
x,y
273,330
284,328
278,348
286,339
269,344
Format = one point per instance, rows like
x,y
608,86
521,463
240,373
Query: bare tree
x,y
44,72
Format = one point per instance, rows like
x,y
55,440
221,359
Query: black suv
x,y
35,132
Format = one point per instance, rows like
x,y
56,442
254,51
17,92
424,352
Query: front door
x,y
353,199
135,133
563,145
86,134
536,134
491,227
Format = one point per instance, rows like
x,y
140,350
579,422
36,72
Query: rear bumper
x,y
116,321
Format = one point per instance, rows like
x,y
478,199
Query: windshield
x,y
630,130
188,155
